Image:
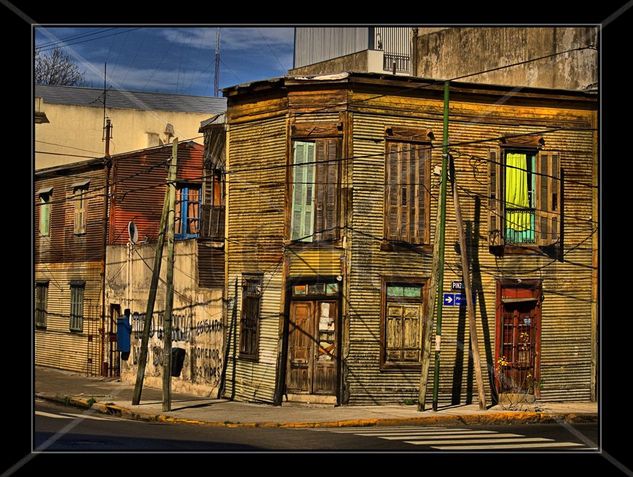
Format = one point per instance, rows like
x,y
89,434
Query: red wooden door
x,y
300,347
518,340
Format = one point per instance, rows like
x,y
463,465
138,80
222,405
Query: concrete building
x,y
139,119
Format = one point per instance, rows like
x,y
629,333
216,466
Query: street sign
x,y
459,299
457,285
449,299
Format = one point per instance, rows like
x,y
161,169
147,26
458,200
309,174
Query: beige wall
x,y
452,52
197,314
78,130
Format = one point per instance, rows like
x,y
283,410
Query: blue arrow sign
x,y
449,299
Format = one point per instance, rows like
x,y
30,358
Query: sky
x,y
171,60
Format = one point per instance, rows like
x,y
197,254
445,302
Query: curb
x,y
493,418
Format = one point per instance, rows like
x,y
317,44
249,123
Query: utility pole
x,y
107,135
158,258
169,293
472,326
216,79
441,233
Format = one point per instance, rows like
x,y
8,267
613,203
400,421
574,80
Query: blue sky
x,y
174,60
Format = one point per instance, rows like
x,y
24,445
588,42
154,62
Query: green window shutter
x,y
302,220
45,214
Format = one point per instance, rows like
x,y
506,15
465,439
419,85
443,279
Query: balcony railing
x,y
212,222
401,61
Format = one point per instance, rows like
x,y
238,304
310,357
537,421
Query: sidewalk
x,y
113,397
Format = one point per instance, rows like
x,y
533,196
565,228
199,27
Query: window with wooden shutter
x,y
45,213
407,197
249,324
525,197
548,199
41,302
77,305
402,323
315,190
80,210
187,211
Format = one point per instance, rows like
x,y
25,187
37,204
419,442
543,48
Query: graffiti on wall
x,y
202,340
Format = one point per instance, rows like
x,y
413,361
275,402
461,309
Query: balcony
x,y
402,63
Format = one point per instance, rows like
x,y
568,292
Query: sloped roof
x,y
140,100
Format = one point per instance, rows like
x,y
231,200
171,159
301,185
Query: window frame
x,y
384,300
422,140
532,152
320,136
41,312
77,292
45,213
255,280
81,208
183,208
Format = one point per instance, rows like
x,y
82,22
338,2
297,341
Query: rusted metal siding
x,y
56,346
566,310
62,244
138,188
255,230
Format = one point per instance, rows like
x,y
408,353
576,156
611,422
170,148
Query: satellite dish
x,y
132,232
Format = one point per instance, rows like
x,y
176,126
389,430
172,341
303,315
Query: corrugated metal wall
x,y
394,40
56,346
255,221
138,188
566,311
319,44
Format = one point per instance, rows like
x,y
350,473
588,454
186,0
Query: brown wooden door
x,y
300,347
312,348
326,352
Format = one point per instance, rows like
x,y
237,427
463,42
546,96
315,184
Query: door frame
x,y
537,286
280,385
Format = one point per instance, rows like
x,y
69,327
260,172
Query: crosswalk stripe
x,y
487,440
395,431
48,414
508,446
463,435
424,433
88,416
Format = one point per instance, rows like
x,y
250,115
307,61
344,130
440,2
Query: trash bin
x,y
177,360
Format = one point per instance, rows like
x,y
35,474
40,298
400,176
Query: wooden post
x,y
472,326
227,345
429,311
169,293
158,258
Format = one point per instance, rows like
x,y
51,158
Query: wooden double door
x,y
312,347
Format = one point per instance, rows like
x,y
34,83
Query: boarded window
x,y
524,197
77,306
41,302
45,213
80,201
249,324
315,190
187,219
402,323
407,198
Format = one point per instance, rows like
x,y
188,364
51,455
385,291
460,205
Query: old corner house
x,y
75,314
332,185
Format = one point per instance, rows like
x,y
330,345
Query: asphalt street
x,y
60,428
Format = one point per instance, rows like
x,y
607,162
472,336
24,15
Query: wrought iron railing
x,y
401,62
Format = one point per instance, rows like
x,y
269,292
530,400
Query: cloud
x,y
231,38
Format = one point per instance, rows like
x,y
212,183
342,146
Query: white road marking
x,y
89,416
423,433
461,435
487,440
48,414
509,446
395,430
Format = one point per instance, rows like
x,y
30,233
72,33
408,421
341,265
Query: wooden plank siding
x,y
259,142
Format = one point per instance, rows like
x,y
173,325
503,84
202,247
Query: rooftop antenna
x,y
216,79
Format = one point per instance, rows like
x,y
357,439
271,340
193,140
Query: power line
x,y
71,37
78,42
